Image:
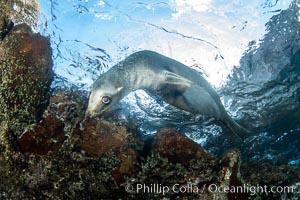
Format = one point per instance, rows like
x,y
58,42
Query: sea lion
x,y
165,78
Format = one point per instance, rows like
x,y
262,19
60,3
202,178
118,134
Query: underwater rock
x,y
100,138
128,160
5,26
229,163
47,136
5,23
68,105
24,11
267,173
26,75
229,174
178,148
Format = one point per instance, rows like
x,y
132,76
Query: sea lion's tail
x,y
237,129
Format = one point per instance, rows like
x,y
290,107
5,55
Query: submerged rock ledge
x,y
62,157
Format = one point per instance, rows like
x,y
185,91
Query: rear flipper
x,y
237,129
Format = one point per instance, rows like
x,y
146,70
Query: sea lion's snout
x,y
95,106
91,114
87,115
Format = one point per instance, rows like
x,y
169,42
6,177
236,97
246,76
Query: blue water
x,y
249,51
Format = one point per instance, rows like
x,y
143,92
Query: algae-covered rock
x,y
5,23
5,26
68,105
102,160
17,12
176,168
177,147
268,174
229,176
26,75
57,176
47,136
20,11
97,138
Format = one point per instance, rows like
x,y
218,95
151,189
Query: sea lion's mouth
x,y
89,114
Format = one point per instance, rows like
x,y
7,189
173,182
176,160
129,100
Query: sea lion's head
x,y
104,94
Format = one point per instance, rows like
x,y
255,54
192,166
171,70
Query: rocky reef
x,y
63,156
26,75
49,151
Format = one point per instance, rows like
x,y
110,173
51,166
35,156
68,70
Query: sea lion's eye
x,y
106,99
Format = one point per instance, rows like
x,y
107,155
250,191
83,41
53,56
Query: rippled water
x,y
249,50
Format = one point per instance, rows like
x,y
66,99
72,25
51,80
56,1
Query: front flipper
x,y
184,94
172,78
199,101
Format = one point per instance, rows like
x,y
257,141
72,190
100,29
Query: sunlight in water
x,y
210,36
